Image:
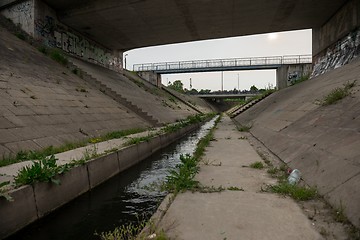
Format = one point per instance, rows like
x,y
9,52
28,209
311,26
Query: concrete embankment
x,y
33,202
242,210
321,141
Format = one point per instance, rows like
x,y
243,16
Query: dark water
x,y
118,201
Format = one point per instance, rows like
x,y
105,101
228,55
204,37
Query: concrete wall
x,y
33,202
321,141
286,75
22,14
40,21
337,42
151,77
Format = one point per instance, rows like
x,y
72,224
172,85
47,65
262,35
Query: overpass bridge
x,y
251,63
288,68
226,95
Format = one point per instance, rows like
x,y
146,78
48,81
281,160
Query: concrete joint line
x,y
36,204
342,183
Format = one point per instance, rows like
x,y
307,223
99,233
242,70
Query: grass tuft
x,y
257,165
297,192
338,93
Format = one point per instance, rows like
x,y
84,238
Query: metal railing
x,y
232,63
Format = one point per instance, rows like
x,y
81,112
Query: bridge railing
x,y
223,63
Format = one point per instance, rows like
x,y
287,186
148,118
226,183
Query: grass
x,y
339,214
338,93
297,192
128,231
137,140
257,165
244,128
44,170
58,56
3,191
182,177
39,154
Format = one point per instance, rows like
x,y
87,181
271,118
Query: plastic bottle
x,y
294,177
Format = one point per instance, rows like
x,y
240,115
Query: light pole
x,y
238,82
222,81
125,60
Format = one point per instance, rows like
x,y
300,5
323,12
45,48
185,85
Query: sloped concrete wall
x,y
42,103
321,141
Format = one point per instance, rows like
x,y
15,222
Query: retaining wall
x,y
34,202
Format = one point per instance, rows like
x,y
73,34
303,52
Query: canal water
x,y
120,200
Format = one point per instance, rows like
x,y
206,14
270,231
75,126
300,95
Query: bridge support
x,y
286,75
152,77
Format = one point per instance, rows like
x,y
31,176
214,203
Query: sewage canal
x,y
118,201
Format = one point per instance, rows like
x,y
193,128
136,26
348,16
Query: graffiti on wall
x,y
54,34
339,54
21,14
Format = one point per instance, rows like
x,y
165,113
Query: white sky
x,y
273,44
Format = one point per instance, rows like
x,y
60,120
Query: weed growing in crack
x,y
297,192
3,191
257,165
338,93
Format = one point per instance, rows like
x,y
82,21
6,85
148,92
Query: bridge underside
x,y
124,25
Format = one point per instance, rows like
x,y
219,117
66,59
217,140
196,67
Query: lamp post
x,y
238,82
222,81
125,60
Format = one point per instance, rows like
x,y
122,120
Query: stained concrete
x,y
321,141
248,214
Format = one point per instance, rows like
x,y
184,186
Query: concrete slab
x,y
235,215
246,214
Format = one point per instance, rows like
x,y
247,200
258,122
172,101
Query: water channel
x,y
118,201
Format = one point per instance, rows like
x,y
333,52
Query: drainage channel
x,y
118,201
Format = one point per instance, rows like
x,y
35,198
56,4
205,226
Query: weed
x,y
3,191
297,192
338,93
43,170
138,140
235,189
273,171
128,231
257,165
43,50
339,214
182,178
56,55
90,153
244,128
20,36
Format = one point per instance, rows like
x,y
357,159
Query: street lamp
x,y
125,60
222,81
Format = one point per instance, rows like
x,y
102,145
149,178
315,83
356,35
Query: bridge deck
x,y
254,63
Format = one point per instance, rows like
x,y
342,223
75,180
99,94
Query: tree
x,y
177,85
253,88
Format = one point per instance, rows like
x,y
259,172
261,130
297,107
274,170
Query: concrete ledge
x,y
19,213
127,157
34,202
49,196
103,168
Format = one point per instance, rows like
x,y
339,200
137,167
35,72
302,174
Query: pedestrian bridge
x,y
231,64
227,95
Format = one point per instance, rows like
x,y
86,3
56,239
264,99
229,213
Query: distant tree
x,y
204,91
192,91
177,85
253,88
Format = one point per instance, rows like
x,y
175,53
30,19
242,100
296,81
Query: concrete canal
x,y
123,199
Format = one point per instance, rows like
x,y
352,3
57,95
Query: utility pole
x,y
190,84
222,81
238,82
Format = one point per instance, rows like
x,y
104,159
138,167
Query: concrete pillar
x,y
152,77
287,75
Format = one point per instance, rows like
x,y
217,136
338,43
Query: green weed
x,y
56,55
257,165
297,192
244,128
338,93
3,191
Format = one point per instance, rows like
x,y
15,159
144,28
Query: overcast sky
x,y
273,44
